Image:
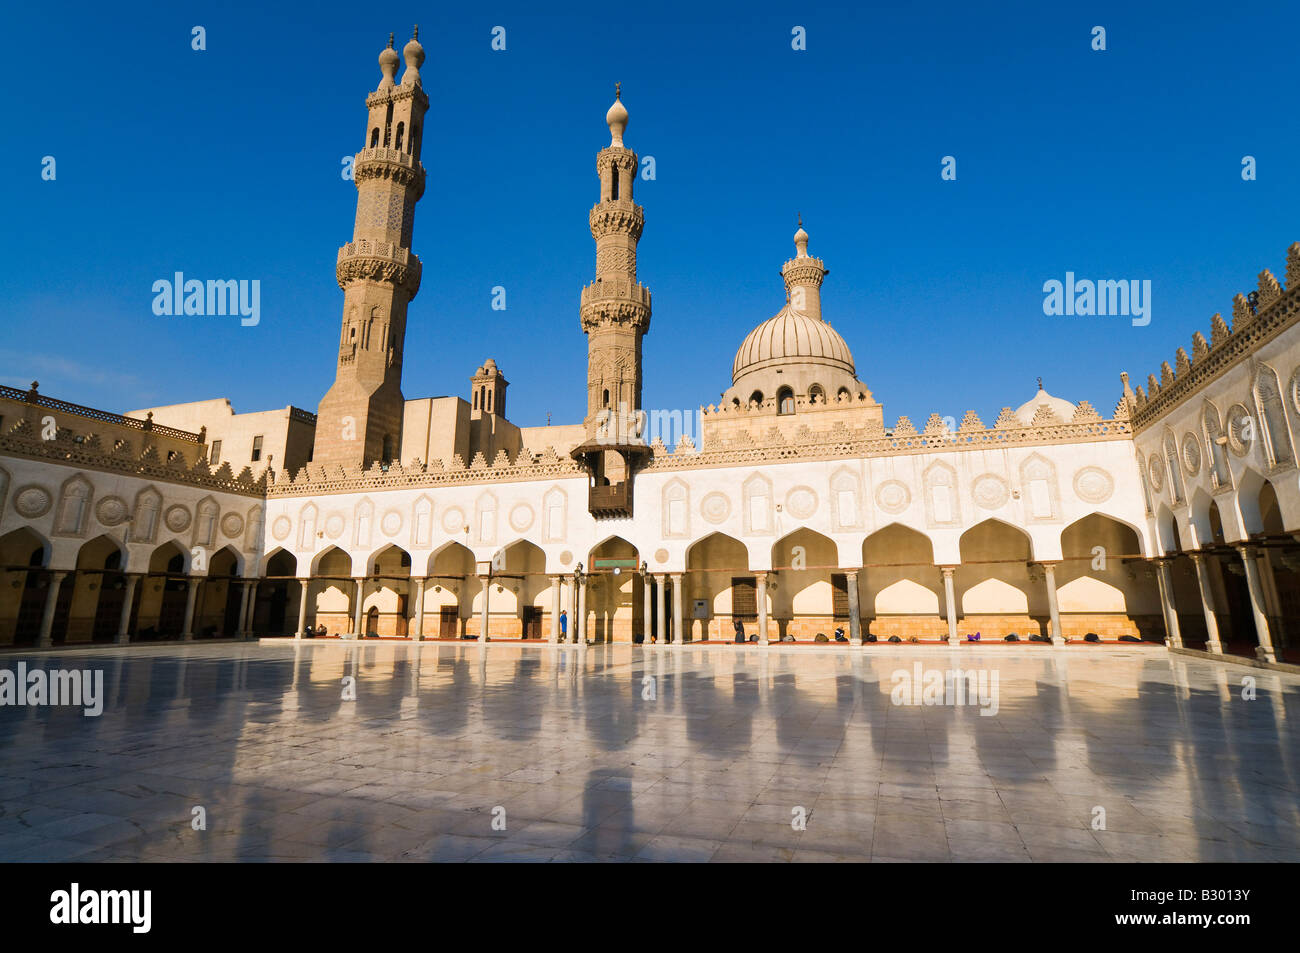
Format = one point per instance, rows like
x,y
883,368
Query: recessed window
x,y
816,394
756,397
214,457
785,401
257,448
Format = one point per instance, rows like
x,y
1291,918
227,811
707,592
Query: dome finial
x,y
388,63
801,238
616,118
413,53
1040,383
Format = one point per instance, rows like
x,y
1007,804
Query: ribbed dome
x,y
791,337
1059,405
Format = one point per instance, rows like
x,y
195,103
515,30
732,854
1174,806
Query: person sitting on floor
x,y
839,635
740,630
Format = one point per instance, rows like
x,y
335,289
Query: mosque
x,y
1173,521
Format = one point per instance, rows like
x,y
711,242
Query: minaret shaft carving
x,y
359,420
615,308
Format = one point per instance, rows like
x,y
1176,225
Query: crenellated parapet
x,y
843,436
1256,318
124,456
315,479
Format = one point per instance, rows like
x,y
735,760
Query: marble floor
x,y
623,753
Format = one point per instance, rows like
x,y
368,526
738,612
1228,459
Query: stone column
x,y
646,634
357,629
1264,651
128,602
1166,581
855,610
950,602
677,606
760,578
302,608
486,580
419,608
580,623
252,608
661,624
187,632
571,604
1053,607
1213,643
557,584
46,638
241,626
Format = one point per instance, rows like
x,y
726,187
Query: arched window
x,y
1215,441
476,400
388,126
756,397
606,398
816,394
401,134
843,394
1268,396
613,183
414,147
1175,468
785,401
374,137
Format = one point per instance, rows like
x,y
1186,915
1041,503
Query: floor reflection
x,y
391,751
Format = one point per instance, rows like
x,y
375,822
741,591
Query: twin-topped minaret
x,y
615,308
359,420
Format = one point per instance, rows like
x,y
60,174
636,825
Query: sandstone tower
x,y
360,418
615,308
615,313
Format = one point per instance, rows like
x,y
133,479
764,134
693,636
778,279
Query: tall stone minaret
x,y
615,308
360,419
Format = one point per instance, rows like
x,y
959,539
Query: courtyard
x,y
398,751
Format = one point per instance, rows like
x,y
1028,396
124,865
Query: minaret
x,y
360,419
615,308
803,276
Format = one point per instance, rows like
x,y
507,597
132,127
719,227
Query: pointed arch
x,y
1041,489
205,522
675,519
332,560
278,559
942,503
73,513
1216,441
422,522
1272,414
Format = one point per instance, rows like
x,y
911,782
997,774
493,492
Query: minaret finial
x,y
390,41
618,91
416,34
800,218
1040,383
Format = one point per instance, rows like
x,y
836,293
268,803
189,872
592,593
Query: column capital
x,y
947,571
852,572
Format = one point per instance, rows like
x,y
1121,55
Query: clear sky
x,y
225,163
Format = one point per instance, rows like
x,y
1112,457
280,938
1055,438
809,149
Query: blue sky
x,y
226,164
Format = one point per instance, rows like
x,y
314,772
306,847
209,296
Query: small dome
x,y
1061,407
413,53
616,119
791,337
388,63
